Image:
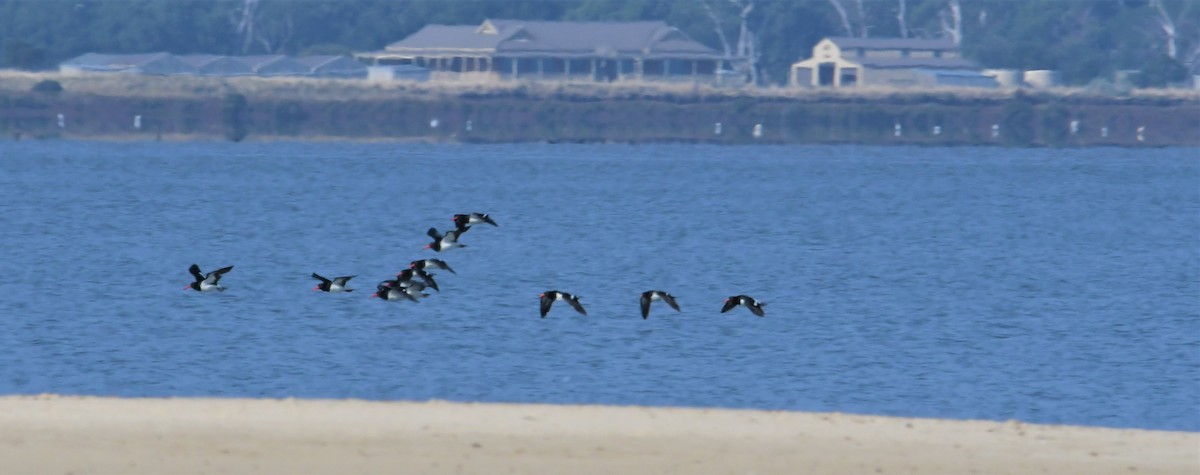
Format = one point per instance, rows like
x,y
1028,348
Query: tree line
x,y
1087,40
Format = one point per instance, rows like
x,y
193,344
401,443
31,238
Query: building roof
x,y
273,65
150,63
314,62
259,60
556,38
216,65
931,63
446,37
200,60
334,65
893,43
115,60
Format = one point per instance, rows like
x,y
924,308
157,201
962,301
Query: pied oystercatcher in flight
x,y
206,282
335,285
652,295
550,296
755,306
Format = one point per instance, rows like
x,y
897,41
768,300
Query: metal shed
x,y
215,65
273,65
334,66
148,63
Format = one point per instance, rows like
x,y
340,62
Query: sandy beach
x,y
62,434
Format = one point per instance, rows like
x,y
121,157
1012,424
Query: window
x,y
849,77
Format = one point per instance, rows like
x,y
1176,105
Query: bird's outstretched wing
x,y
577,306
195,270
670,299
215,276
729,304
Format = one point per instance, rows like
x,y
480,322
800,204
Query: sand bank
x,y
57,434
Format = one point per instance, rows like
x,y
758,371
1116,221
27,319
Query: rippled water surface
x,y
1056,286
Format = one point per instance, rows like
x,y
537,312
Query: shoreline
x,y
237,109
48,433
434,140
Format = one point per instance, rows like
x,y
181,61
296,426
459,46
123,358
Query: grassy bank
x,y
105,106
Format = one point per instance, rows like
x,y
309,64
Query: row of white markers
x,y
757,132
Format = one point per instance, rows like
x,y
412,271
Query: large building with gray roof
x,y
595,51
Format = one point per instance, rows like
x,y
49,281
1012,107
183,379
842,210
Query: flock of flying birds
x,y
410,284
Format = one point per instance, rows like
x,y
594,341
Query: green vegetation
x,y
48,86
1087,40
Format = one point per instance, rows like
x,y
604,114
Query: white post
x,y
717,128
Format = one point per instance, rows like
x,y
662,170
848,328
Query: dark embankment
x,y
256,109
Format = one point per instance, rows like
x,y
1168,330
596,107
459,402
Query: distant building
x,y
1042,78
397,72
273,65
897,62
333,66
148,63
216,65
517,49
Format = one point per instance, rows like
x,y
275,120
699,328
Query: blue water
x,y
1055,286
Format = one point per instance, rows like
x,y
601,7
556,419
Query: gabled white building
x,y
895,62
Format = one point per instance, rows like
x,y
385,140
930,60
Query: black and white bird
x,y
409,275
206,282
391,291
652,295
414,289
335,285
550,296
445,242
462,221
424,264
755,306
